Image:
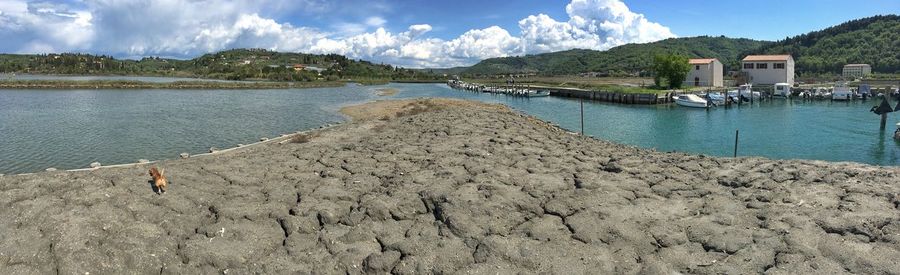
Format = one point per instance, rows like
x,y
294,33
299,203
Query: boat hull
x,y
691,104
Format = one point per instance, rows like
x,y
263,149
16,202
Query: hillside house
x,y
768,69
705,72
856,70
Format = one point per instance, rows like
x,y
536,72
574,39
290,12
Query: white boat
x,y
842,93
537,93
691,100
716,98
745,91
782,90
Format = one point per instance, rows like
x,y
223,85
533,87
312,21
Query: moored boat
x,y
782,90
841,93
691,100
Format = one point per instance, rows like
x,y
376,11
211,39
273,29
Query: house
x,y
857,70
705,72
768,69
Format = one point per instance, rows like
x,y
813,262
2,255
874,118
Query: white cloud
x,y
188,28
375,21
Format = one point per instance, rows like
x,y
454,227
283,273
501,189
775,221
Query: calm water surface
x,y
70,129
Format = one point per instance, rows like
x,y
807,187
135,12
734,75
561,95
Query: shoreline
x,y
129,85
454,186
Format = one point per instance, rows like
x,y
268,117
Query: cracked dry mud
x,y
468,188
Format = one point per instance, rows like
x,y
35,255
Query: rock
x,y
184,155
51,169
95,164
143,161
240,145
213,149
263,139
381,262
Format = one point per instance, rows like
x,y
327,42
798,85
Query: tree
x,y
672,67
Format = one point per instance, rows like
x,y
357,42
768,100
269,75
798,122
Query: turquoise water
x,y
71,129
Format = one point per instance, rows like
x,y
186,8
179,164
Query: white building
x,y
705,72
857,70
768,69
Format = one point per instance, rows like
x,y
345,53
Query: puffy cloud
x,y
186,28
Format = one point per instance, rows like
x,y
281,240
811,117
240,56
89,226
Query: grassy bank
x,y
630,85
120,84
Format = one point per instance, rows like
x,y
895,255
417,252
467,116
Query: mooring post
x,y
736,133
883,120
582,116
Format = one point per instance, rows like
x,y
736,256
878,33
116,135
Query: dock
x,y
595,95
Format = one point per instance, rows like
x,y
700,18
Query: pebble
x,y
184,155
95,164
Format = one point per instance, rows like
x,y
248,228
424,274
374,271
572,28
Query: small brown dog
x,y
159,179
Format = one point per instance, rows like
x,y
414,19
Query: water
x,y
70,129
153,79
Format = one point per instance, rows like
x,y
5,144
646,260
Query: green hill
x,y
622,60
873,40
234,64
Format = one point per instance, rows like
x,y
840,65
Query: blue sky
x,y
412,33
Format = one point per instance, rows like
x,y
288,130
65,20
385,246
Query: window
x,y
778,66
762,65
697,67
748,65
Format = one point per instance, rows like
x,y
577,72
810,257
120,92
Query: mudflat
x,y
442,186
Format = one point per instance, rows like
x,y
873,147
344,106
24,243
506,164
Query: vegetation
x,y
873,40
625,60
119,84
238,64
628,85
674,68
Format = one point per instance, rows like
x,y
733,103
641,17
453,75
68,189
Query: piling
x,y
736,134
582,116
883,120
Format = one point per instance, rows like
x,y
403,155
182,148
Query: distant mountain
x,y
622,60
233,64
873,40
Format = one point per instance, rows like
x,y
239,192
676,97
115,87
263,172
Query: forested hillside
x,y
873,40
231,64
627,59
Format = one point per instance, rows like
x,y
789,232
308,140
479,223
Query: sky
x,y
409,33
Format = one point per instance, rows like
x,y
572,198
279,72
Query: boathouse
x,y
705,72
856,70
768,69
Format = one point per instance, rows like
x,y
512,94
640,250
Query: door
x,y
696,81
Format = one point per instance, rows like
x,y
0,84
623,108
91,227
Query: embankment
x,y
444,186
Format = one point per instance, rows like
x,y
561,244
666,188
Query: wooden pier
x,y
604,96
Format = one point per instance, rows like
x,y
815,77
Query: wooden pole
x,y
883,120
582,116
736,133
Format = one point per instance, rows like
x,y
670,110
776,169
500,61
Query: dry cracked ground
x,y
467,188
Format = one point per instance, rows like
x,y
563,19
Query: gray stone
x,y
95,164
184,155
